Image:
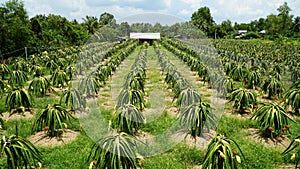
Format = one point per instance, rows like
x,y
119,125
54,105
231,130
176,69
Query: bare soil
x,y
278,142
16,116
41,138
200,142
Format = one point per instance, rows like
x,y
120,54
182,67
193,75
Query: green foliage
x,y
37,71
128,119
195,116
89,86
59,78
17,78
115,151
243,99
188,97
220,154
293,98
4,70
250,35
273,86
18,98
238,72
39,86
52,119
14,26
131,96
73,98
225,85
253,79
19,152
294,147
274,116
203,19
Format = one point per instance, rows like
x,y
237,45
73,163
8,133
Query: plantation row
x,y
78,79
22,91
274,116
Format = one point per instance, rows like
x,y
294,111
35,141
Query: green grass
x,y
160,125
74,155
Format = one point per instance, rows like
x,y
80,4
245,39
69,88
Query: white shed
x,y
145,36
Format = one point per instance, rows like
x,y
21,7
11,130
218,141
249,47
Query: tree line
x,y
42,32
282,24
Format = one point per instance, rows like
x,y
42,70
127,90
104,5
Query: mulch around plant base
x,y
41,138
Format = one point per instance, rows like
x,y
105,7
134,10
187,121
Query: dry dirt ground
x,y
279,142
41,138
16,116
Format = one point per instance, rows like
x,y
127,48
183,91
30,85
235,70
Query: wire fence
x,y
12,54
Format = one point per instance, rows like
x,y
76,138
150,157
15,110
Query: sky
x,y
241,11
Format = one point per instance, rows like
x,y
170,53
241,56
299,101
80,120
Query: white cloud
x,y
234,10
184,12
168,2
194,4
221,2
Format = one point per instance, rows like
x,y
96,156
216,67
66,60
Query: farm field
x,y
55,95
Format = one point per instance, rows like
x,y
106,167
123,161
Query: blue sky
x,y
235,10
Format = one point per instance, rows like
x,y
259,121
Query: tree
x,y
261,24
203,19
284,11
296,25
125,28
227,26
14,30
91,24
106,18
